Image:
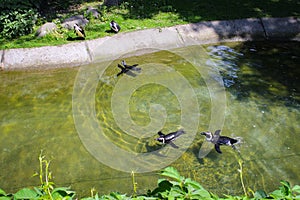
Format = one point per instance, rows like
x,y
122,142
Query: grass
x,y
142,14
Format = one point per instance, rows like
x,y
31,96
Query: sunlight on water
x,y
262,107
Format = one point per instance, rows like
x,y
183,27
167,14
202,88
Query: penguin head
x,y
208,135
161,139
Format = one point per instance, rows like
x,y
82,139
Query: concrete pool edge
x,y
149,40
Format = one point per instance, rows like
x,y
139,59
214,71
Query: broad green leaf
x,y
97,197
65,190
5,198
2,192
176,183
118,196
229,197
192,183
259,194
161,180
26,193
201,193
285,183
277,194
285,188
164,195
163,186
176,192
296,189
172,173
38,191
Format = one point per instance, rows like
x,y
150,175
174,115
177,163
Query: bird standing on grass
x,y
79,31
114,26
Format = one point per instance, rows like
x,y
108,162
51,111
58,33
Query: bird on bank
x,y
169,138
218,140
127,69
114,26
79,31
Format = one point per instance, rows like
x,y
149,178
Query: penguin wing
x,y
135,69
217,148
173,145
217,132
83,33
121,67
130,73
118,27
78,33
160,134
121,72
132,66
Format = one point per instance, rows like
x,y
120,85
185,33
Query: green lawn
x,y
141,14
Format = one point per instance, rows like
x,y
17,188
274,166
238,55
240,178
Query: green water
x,y
260,104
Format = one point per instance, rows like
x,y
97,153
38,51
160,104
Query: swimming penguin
x,y
79,31
218,140
114,26
127,69
169,138
123,70
131,67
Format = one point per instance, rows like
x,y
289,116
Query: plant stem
x,y
134,184
41,167
241,176
47,178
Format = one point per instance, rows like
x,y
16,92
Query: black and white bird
x,y
79,31
218,140
131,67
114,26
169,138
127,69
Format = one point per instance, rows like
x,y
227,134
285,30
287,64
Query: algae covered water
x,y
97,127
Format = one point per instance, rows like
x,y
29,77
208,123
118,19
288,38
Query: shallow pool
x,y
97,127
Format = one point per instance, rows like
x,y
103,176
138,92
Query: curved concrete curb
x,y
149,40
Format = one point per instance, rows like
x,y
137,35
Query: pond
x,y
97,127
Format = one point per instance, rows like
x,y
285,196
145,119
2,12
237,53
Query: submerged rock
x,y
77,19
45,29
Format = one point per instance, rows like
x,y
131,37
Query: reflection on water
x,y
262,89
225,59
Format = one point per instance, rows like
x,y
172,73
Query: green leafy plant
x,y
45,191
179,187
16,23
286,192
172,186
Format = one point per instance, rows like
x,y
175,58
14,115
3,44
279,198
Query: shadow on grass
x,y
194,11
